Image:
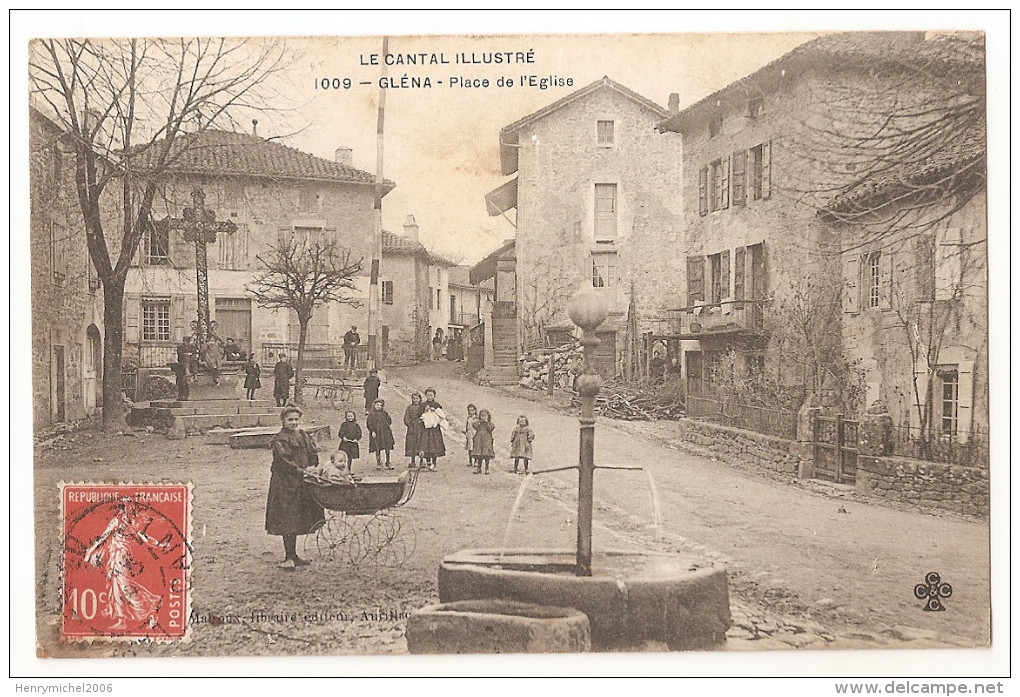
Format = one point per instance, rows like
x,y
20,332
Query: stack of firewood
x,y
638,402
566,363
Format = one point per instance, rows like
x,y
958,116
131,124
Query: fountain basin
x,y
497,626
631,598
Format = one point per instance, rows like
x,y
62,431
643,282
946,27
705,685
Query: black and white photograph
x,y
348,340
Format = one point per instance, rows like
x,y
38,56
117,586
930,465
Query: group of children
x,y
424,444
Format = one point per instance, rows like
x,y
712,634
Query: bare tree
x,y
302,275
127,106
900,148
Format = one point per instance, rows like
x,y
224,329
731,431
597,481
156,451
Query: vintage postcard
x,y
359,343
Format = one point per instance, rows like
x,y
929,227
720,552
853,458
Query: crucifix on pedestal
x,y
199,225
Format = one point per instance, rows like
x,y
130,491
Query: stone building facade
x,y
597,197
415,290
67,302
758,250
270,192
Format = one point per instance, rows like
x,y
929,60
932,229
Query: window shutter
x,y
965,398
738,273
695,279
177,323
724,274
885,281
726,182
766,169
703,191
852,298
739,177
947,263
132,308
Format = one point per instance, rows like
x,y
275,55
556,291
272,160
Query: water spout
x,y
525,481
653,494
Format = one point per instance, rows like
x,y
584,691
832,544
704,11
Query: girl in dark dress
x,y
380,433
252,375
432,445
350,434
412,421
482,445
290,509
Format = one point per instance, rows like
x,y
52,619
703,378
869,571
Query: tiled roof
x,y
396,244
227,153
965,158
843,50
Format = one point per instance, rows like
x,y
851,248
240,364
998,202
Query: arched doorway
x,y
92,369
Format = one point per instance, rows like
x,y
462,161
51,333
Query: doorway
x,y
233,320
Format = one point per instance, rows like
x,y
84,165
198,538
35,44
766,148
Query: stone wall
x,y
924,484
747,447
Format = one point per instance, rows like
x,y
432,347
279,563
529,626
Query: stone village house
x,y
415,294
751,234
67,303
596,198
270,192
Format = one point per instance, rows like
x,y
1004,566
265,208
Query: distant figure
x,y
371,389
231,351
412,421
282,373
351,342
350,434
210,357
181,378
482,445
252,376
437,345
186,355
657,367
470,426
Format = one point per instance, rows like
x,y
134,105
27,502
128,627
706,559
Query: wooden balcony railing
x,y
726,317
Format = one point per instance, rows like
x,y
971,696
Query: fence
x,y
962,448
322,355
835,447
774,422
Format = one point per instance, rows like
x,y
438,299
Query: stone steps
x,y
261,438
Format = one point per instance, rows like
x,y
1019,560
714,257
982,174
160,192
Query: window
x,y
606,132
302,236
949,400
439,299
603,269
157,244
695,280
874,276
605,213
738,273
755,107
387,292
714,125
747,174
715,267
924,248
156,319
718,184
233,249
309,201
58,252
760,171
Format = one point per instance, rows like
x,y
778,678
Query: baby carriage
x,y
362,521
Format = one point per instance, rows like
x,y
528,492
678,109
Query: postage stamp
x,y
126,561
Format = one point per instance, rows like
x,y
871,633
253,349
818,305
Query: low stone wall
x,y
756,449
953,488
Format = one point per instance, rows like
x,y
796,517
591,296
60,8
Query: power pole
x,y
374,345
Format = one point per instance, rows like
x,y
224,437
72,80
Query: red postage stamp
x,y
126,561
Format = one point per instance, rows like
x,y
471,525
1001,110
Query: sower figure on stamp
x,y
290,509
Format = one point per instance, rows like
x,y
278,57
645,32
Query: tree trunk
x,y
302,335
113,345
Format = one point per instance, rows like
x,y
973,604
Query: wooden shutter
x,y
738,273
766,169
703,191
885,280
965,400
739,177
852,276
725,164
947,263
724,274
178,324
695,279
132,309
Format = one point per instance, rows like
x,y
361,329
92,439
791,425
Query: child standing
x,y
380,434
412,421
350,434
371,389
483,444
469,431
432,444
520,443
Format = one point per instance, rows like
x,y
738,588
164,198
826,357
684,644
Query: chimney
x,y
674,103
411,229
254,127
344,156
